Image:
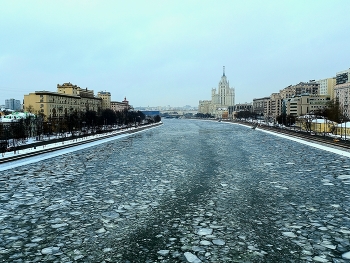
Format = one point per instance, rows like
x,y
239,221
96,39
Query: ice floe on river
x,y
175,194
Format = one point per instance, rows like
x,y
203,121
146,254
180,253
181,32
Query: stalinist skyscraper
x,y
220,100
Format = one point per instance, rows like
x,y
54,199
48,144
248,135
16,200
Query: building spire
x,y
223,71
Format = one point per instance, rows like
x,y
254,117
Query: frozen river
x,y
188,191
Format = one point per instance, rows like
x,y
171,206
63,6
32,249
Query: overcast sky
x,y
159,53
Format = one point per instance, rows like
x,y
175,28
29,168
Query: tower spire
x,y
223,71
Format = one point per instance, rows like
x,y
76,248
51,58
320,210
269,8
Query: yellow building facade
x,y
323,126
343,129
106,99
310,123
69,98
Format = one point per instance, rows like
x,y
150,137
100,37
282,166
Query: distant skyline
x,y
158,53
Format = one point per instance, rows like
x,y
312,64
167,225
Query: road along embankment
x,y
307,136
36,149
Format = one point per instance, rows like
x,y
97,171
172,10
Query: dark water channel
x,y
188,191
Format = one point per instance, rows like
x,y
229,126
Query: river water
x,y
188,191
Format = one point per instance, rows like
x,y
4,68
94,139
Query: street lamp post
x,y
7,136
56,130
345,130
316,126
84,122
49,123
341,129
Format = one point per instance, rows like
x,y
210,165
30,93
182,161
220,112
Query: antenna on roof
x,y
223,71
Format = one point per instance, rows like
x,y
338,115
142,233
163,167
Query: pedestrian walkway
x,y
49,147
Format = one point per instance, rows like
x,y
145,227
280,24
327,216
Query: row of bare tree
x,y
14,133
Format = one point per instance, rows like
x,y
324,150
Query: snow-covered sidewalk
x,y
303,141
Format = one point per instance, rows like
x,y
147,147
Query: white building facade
x,y
327,86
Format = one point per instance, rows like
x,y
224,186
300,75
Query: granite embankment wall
x,y
308,136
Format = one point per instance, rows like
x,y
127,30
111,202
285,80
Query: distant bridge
x,y
177,113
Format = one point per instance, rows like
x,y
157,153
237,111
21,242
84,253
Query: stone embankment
x,y
308,136
37,148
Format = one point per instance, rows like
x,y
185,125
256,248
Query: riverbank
x,y
48,146
206,190
322,139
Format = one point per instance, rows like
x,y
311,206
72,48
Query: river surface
x,y
187,191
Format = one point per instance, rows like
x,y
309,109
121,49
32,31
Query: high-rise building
x,y
221,99
13,104
343,77
327,86
225,96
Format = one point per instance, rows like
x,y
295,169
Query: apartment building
x,y
274,106
232,110
278,102
106,99
120,106
342,95
88,101
69,98
343,77
342,91
310,87
305,103
243,107
287,92
327,87
13,104
260,105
